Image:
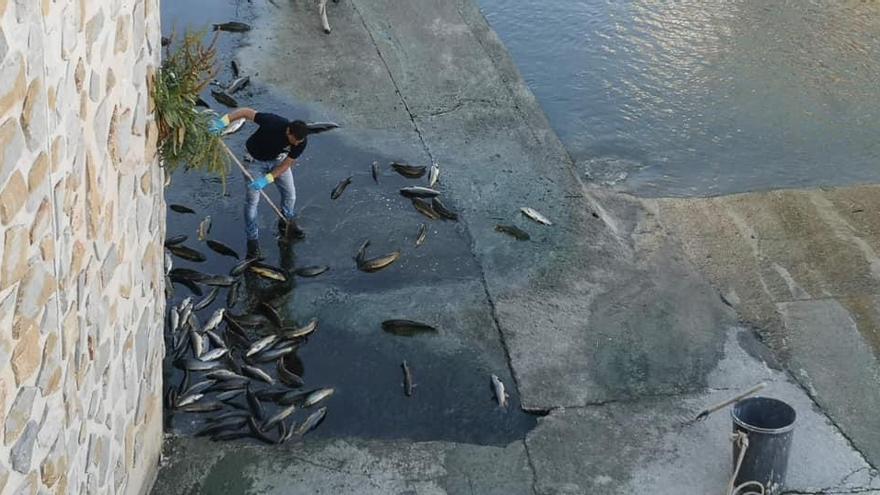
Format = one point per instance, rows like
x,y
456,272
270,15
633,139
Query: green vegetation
x,y
183,129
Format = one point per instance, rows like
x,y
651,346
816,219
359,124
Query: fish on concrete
x,y
319,127
182,209
407,379
311,422
433,175
237,85
535,215
311,271
425,208
421,235
442,210
340,188
378,263
280,416
232,27
268,272
500,394
204,228
175,240
224,98
409,171
418,192
513,231
374,171
220,248
406,327
224,374
187,253
317,396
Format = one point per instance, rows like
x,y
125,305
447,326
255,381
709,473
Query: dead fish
x,y
228,425
317,396
425,208
230,394
288,377
301,332
273,354
511,230
224,98
202,407
442,210
169,263
418,192
198,388
232,27
338,190
267,272
188,274
375,264
257,373
421,235
173,320
254,404
241,266
232,294
194,364
533,214
282,415
235,70
219,280
204,228
224,374
409,171
319,127
249,320
261,344
215,319
259,434
215,339
406,327
433,175
407,379
214,354
192,286
362,252
374,171
233,127
189,399
311,422
271,313
237,85
175,240
500,393
182,209
198,343
187,253
311,271
204,303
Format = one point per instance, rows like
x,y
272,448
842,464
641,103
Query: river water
x,y
696,98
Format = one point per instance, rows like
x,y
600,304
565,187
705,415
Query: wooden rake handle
x,y
247,174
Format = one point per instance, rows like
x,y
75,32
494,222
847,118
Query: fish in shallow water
x,y
500,393
235,70
311,271
254,404
288,377
188,274
433,175
421,235
224,98
204,303
340,188
202,407
241,266
375,264
533,214
425,208
232,27
418,192
214,354
182,209
267,272
194,364
442,210
219,280
215,320
407,379
254,372
406,327
317,396
362,252
261,344
175,240
516,232
301,332
204,228
282,415
187,253
319,127
233,127
237,85
374,171
189,284
311,422
409,171
232,294
271,313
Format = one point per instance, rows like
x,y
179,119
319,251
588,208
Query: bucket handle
x,y
742,438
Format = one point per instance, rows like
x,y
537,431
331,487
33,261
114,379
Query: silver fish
x,y
237,85
433,175
533,214
215,339
215,319
198,344
169,262
422,235
204,228
204,303
193,364
202,407
311,422
374,171
224,375
337,191
197,388
418,192
174,319
317,396
303,331
233,127
282,415
375,264
214,354
189,400
407,379
500,393
261,344
257,373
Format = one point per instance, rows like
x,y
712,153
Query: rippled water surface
x,y
704,98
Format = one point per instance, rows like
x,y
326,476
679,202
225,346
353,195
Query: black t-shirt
x,y
270,140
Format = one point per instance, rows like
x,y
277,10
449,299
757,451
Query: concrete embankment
x,y
610,329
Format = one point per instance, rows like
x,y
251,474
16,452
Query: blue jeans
x,y
285,187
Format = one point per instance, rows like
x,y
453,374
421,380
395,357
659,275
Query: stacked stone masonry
x,y
81,230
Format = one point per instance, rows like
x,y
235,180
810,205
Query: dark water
x,y
349,352
704,98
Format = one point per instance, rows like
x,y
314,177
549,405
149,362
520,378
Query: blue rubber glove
x,y
218,124
262,182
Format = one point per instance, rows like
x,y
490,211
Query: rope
x,y
743,439
249,176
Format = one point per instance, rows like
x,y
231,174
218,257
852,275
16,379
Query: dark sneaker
x,y
253,249
290,230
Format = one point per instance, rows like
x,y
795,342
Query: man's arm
x,y
283,166
242,113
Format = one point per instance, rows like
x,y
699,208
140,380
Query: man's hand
x,y
218,124
262,182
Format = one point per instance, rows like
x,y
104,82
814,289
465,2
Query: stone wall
x,y
81,230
